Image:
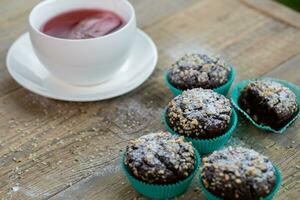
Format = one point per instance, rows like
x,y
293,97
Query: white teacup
x,y
83,61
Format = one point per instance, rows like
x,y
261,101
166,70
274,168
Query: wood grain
x,y
60,150
276,11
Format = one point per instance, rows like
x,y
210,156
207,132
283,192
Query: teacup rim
x,y
33,27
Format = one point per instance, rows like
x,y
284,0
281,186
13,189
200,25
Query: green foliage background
x,y
294,4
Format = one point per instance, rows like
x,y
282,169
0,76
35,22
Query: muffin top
x,y
199,113
275,95
238,173
198,70
160,158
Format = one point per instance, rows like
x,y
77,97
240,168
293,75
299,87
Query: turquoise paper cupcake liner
x,y
159,191
221,90
241,85
211,196
207,145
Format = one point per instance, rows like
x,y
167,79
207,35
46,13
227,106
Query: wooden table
x,y
62,150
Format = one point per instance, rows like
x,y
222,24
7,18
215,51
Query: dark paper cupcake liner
x,y
160,191
223,89
207,145
241,85
270,196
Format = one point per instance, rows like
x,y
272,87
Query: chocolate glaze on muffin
x,y
160,158
199,113
238,173
269,103
198,70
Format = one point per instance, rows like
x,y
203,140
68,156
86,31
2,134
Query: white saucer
x,y
26,69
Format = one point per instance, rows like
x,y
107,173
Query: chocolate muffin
x,y
269,103
238,173
198,70
160,158
199,113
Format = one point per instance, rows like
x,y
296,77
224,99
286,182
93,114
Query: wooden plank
x,y
151,11
276,11
71,150
288,71
13,22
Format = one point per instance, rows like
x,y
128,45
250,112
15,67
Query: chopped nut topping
x,y
225,171
151,158
198,70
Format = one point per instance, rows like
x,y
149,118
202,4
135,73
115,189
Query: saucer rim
x,y
46,92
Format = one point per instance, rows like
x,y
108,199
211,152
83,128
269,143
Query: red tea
x,y
83,24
